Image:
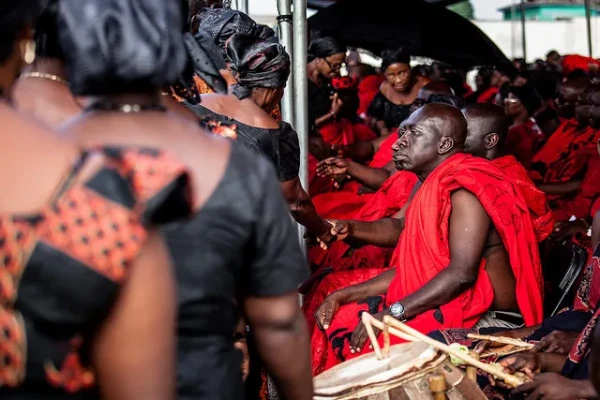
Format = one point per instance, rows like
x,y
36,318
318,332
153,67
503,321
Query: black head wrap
x,y
257,63
394,56
221,24
326,46
528,96
118,46
46,33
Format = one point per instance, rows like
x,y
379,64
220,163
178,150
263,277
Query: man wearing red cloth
x,y
487,132
451,265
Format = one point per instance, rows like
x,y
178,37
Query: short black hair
x,y
15,15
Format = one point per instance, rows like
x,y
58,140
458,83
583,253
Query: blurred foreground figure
x,y
79,260
239,255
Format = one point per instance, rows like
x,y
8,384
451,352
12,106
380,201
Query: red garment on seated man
x,y
385,203
423,251
565,154
345,203
524,140
543,220
580,204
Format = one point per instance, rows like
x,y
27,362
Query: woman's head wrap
x,y
257,63
325,46
394,56
221,24
117,46
528,96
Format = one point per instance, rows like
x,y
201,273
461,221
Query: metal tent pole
x,y
523,35
588,21
286,38
301,88
243,6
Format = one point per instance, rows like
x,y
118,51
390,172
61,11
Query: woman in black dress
x,y
326,56
392,104
238,256
261,69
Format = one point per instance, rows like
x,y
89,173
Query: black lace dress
x,y
384,110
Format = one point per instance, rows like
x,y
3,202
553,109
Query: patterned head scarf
x,y
118,46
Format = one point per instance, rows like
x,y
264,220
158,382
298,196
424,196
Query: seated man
x,y
451,265
487,132
370,177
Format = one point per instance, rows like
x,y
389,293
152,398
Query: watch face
x,y
397,309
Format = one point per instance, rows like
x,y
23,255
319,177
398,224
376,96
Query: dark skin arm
x,y
303,209
560,189
282,341
553,386
372,178
372,287
383,233
382,128
469,230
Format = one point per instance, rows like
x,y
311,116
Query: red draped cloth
x,y
571,62
488,96
344,132
543,220
565,154
581,203
367,90
423,251
385,203
524,140
345,203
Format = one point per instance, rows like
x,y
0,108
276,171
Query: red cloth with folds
x,y
423,251
524,140
344,132
565,154
581,203
571,62
344,204
385,203
488,96
543,220
367,90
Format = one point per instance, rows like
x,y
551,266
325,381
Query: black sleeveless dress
x,y
279,145
384,110
241,243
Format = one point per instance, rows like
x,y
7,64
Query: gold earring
x,y
29,53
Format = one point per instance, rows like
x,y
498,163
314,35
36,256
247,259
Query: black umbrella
x,y
426,29
320,4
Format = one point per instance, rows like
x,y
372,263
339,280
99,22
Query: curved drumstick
x,y
369,322
509,379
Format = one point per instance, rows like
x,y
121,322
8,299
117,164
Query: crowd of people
x,y
152,255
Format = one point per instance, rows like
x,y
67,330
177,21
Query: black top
x,y
384,110
63,267
319,102
241,243
279,145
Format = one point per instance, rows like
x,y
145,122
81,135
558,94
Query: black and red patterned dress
x,y
61,268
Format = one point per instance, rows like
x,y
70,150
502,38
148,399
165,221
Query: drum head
x,y
405,360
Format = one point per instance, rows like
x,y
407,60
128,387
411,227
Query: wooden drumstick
x,y
471,370
366,320
386,340
380,325
501,340
509,379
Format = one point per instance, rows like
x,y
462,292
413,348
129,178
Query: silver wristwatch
x,y
397,311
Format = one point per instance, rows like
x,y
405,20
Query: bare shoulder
x,y
462,199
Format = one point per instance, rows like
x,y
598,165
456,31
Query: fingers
x,y
525,388
323,316
359,337
540,346
513,364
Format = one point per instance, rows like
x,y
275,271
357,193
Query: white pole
x,y
286,38
301,89
243,6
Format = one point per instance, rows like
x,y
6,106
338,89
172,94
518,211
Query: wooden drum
x,y
370,378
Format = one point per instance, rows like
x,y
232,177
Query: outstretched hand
x,y
558,342
325,313
528,363
332,167
339,231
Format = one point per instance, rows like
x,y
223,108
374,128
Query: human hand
x,y
336,104
527,363
365,190
332,166
242,346
360,336
325,313
340,230
551,386
227,75
558,342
